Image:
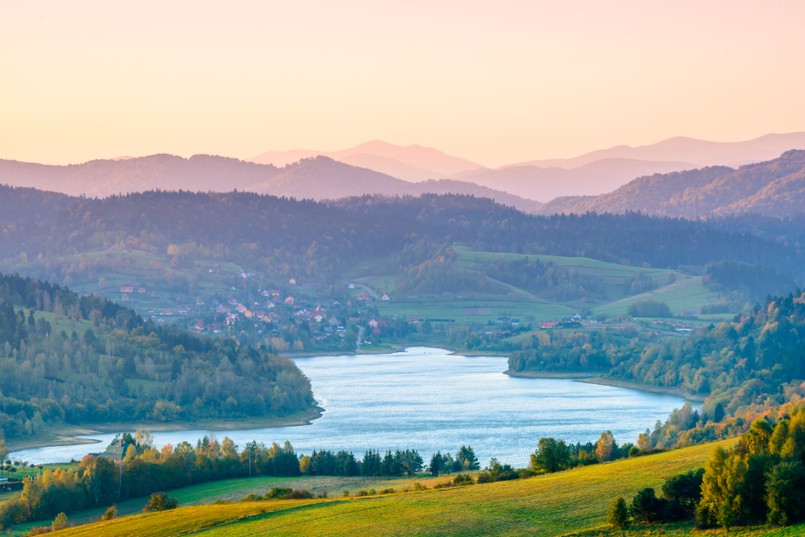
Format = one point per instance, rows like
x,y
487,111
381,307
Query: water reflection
x,y
430,400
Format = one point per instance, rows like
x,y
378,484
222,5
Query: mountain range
x,y
772,188
592,173
599,180
316,178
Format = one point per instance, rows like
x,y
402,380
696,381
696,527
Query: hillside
x,y
547,505
774,188
77,360
200,256
547,183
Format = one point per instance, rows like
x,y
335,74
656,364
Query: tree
x,y
436,464
60,522
551,455
618,514
646,506
721,501
684,491
785,493
3,449
606,446
159,501
466,459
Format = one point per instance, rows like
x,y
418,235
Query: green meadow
x,y
552,504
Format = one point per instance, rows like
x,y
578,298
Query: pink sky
x,y
493,81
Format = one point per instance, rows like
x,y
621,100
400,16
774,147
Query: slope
x,y
773,188
552,504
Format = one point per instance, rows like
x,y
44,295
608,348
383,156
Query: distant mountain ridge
x,y
316,178
410,163
381,168
773,188
593,173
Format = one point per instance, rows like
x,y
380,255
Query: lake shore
x,y
69,435
597,378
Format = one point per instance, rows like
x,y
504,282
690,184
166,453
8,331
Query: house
x,y
142,290
548,324
289,300
385,297
127,289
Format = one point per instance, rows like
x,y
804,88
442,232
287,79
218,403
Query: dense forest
x,y
754,362
65,358
324,240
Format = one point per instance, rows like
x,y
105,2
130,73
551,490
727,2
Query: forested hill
x,y
748,365
283,236
71,359
773,188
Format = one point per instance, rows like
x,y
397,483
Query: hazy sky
x,y
493,81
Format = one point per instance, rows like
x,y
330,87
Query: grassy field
x,y
553,504
475,309
684,294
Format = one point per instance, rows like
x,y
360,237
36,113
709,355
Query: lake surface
x,y
430,400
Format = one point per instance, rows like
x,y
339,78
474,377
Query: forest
x,y
324,240
78,360
754,362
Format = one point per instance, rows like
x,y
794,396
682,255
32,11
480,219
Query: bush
x,y
463,479
647,507
159,501
110,513
649,308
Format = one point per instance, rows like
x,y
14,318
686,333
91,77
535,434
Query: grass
x,y
233,490
686,295
687,529
553,504
476,309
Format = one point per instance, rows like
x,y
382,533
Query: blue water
x,y
430,400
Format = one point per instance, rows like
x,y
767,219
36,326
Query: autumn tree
x,y
606,447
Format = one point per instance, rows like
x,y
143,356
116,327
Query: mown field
x,y
553,504
685,294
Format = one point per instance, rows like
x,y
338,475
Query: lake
x,y
430,400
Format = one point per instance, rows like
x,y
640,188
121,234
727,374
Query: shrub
x,y
159,501
463,479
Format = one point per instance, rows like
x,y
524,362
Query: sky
x,y
496,82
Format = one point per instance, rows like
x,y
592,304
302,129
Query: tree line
x,y
760,480
748,365
282,237
131,468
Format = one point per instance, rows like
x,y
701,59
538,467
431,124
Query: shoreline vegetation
x,y
75,435
597,378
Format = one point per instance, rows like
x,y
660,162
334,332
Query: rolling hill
x,y
315,178
774,188
552,504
